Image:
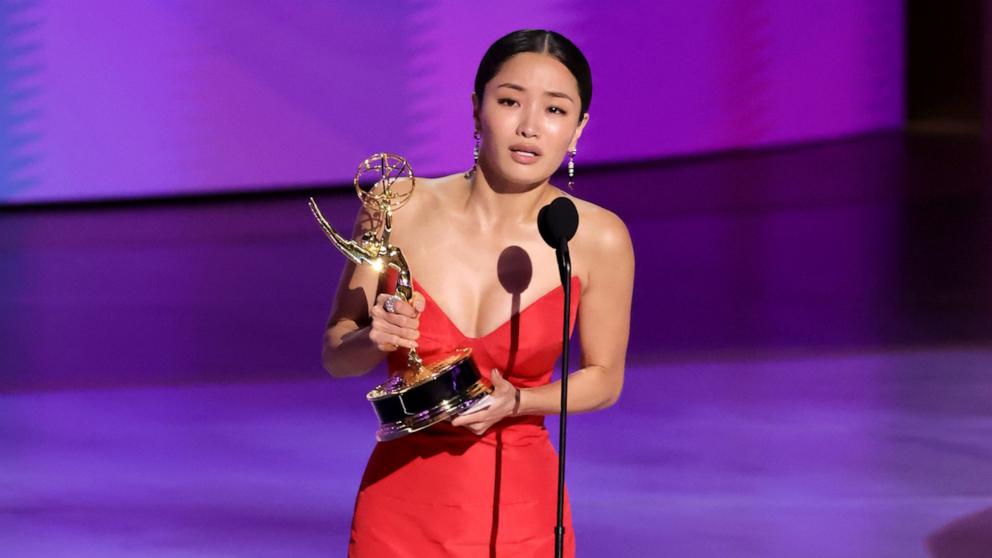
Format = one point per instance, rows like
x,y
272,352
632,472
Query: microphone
x,y
557,223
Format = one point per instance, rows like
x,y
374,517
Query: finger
x,y
476,427
404,308
485,415
395,319
479,429
405,322
467,420
500,384
402,342
383,340
418,302
400,306
383,334
404,332
380,300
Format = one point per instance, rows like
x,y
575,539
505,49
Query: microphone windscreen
x,y
558,221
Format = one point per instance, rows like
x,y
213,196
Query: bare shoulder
x,y
429,193
601,230
602,246
429,196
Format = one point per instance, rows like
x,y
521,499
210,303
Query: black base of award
x,y
447,389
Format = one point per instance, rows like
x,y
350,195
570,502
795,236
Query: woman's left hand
x,y
503,402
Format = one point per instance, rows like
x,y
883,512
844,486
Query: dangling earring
x,y
571,169
475,156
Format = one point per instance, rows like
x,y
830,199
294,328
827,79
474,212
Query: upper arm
x,y
604,311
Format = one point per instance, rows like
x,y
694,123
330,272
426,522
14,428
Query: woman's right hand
x,y
392,330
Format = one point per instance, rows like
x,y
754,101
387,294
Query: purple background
x,y
106,100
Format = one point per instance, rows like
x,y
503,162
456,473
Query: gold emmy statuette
x,y
421,395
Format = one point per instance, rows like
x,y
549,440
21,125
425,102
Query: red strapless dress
x,y
445,491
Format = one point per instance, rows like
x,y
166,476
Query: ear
x,y
475,111
578,131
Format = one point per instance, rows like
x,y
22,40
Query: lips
x,y
524,153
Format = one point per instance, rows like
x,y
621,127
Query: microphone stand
x,y
565,271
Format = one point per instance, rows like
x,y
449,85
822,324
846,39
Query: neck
x,y
493,202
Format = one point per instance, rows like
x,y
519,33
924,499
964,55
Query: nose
x,y
528,127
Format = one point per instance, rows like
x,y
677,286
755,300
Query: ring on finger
x,y
390,304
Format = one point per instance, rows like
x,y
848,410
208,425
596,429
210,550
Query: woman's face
x,y
529,118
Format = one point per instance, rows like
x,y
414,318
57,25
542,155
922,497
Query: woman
x,y
484,484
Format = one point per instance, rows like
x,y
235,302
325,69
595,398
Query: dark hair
x,y
541,42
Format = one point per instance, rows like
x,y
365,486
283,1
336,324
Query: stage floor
x,y
810,370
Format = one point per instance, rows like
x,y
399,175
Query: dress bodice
x,y
524,348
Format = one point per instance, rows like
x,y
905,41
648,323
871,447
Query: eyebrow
x,y
516,87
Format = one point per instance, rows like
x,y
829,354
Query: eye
x,y
508,101
556,110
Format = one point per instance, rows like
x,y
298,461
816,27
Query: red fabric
x,y
445,491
